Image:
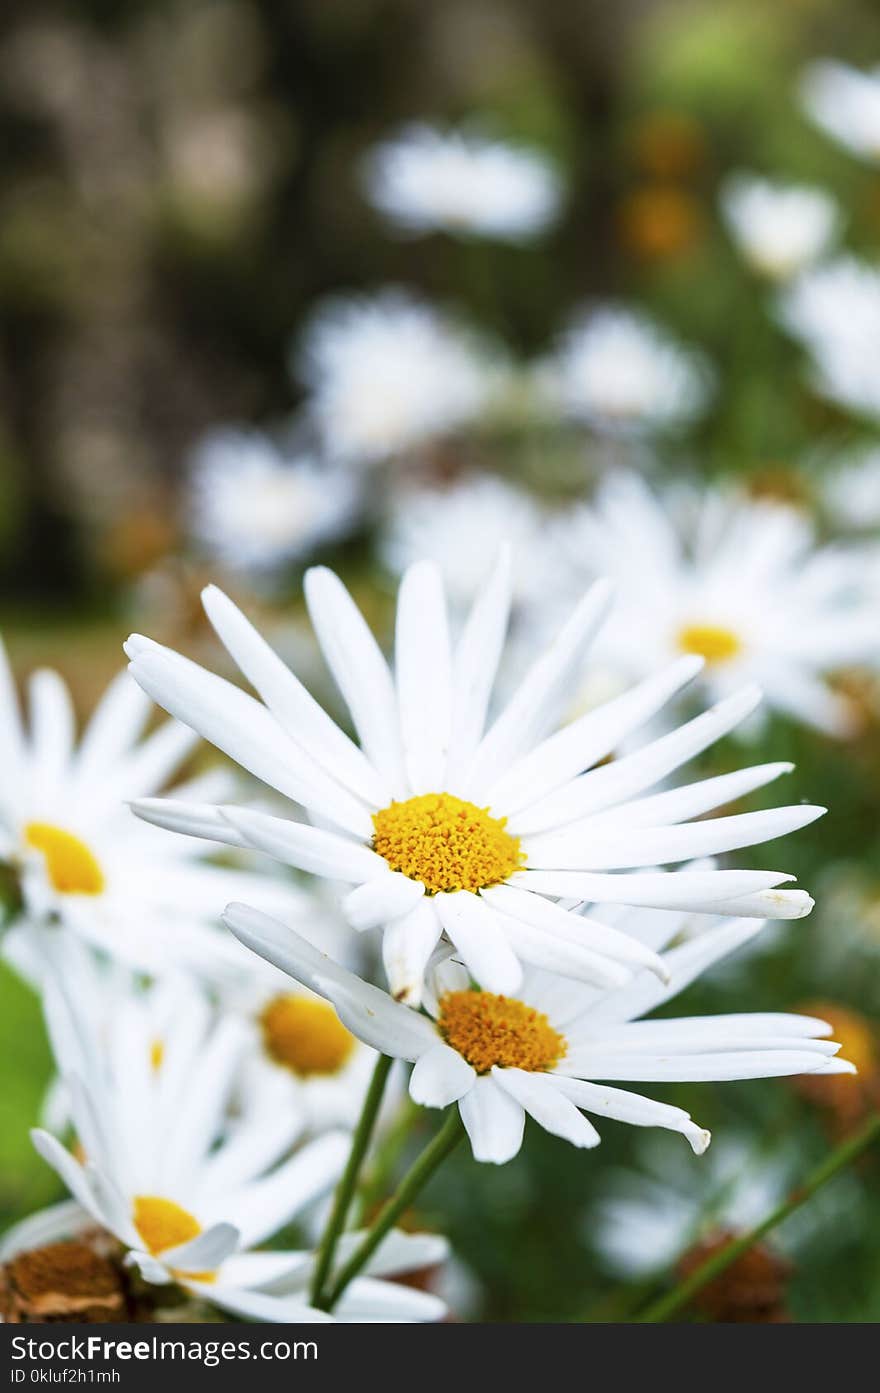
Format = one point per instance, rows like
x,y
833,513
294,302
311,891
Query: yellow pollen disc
x,y
162,1224
157,1054
446,842
487,1029
71,867
305,1036
709,641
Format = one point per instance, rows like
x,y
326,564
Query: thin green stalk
x,y
348,1184
670,1304
416,1177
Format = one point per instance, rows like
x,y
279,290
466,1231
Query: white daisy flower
x,y
834,310
389,374
845,102
850,490
618,373
188,1189
444,826
461,524
550,1050
427,180
735,580
253,508
82,860
779,228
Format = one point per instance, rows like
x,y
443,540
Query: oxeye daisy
x,y
845,102
81,860
551,1049
428,180
254,507
389,374
779,228
186,1184
618,373
736,580
447,824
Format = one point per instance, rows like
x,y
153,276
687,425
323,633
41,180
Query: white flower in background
x,y
253,508
736,580
850,490
83,862
189,1189
779,228
550,1050
619,373
445,826
846,104
427,180
462,526
834,310
647,1218
389,374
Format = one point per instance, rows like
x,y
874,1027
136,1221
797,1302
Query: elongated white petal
x,y
548,1106
381,900
566,955
552,919
631,1108
440,1077
532,710
626,848
494,1121
191,819
370,1300
368,1012
407,944
360,671
589,739
479,937
475,664
115,725
261,1306
631,774
59,1221
309,848
295,709
52,726
765,904
424,679
264,1206
204,1253
70,1171
682,890
735,1064
690,800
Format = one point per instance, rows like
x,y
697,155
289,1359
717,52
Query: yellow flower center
x,y
709,641
157,1054
305,1036
70,865
446,842
162,1224
487,1029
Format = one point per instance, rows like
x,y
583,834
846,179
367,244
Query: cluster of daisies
x,y
468,877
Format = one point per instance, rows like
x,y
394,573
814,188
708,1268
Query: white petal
x,y
51,1225
264,1206
295,709
631,774
477,655
70,1171
381,900
440,1077
550,1108
532,710
407,944
204,1253
478,934
678,890
690,800
52,725
308,848
631,1108
368,1299
589,739
115,725
190,819
494,1121
360,671
423,672
589,933
736,1064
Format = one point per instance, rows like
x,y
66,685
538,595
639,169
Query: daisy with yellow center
x,y
455,828
190,1169
739,583
551,1049
81,861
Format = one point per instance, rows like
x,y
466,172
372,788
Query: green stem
x,y
347,1185
670,1304
416,1177
375,1182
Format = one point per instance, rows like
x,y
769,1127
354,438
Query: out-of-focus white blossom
x,y
779,228
834,309
846,104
